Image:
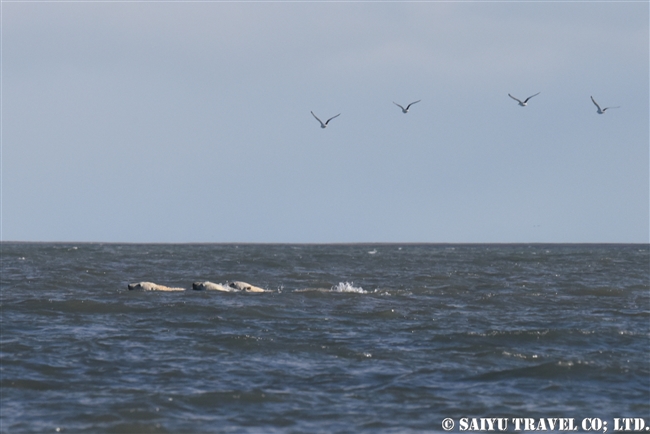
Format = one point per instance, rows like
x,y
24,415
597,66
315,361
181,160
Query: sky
x,y
146,121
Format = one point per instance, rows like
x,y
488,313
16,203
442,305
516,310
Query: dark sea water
x,y
381,338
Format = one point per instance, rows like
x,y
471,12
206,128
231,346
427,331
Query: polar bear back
x,y
211,286
150,286
243,286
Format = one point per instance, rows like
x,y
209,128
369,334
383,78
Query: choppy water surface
x,y
351,338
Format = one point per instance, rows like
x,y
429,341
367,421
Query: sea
x,y
348,338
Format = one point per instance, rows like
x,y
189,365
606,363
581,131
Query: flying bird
x,y
601,111
406,110
324,125
523,103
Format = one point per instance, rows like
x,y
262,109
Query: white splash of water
x,y
348,287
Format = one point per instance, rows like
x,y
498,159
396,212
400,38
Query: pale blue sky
x,y
190,122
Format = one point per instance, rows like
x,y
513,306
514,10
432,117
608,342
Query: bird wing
x,y
328,121
519,101
526,100
415,102
618,106
595,103
321,122
398,105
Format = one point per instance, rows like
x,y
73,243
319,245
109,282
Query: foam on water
x,y
348,287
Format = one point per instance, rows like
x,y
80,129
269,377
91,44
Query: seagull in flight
x,y
601,111
324,125
523,103
406,110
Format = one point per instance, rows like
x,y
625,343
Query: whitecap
x,y
348,287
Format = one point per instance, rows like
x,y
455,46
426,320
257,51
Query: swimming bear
x,y
232,287
243,286
149,286
202,286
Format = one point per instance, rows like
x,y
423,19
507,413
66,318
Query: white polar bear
x,y
209,286
232,287
149,286
247,287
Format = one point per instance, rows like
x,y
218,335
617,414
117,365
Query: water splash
x,y
348,287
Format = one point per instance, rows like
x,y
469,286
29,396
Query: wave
x,y
348,287
340,287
